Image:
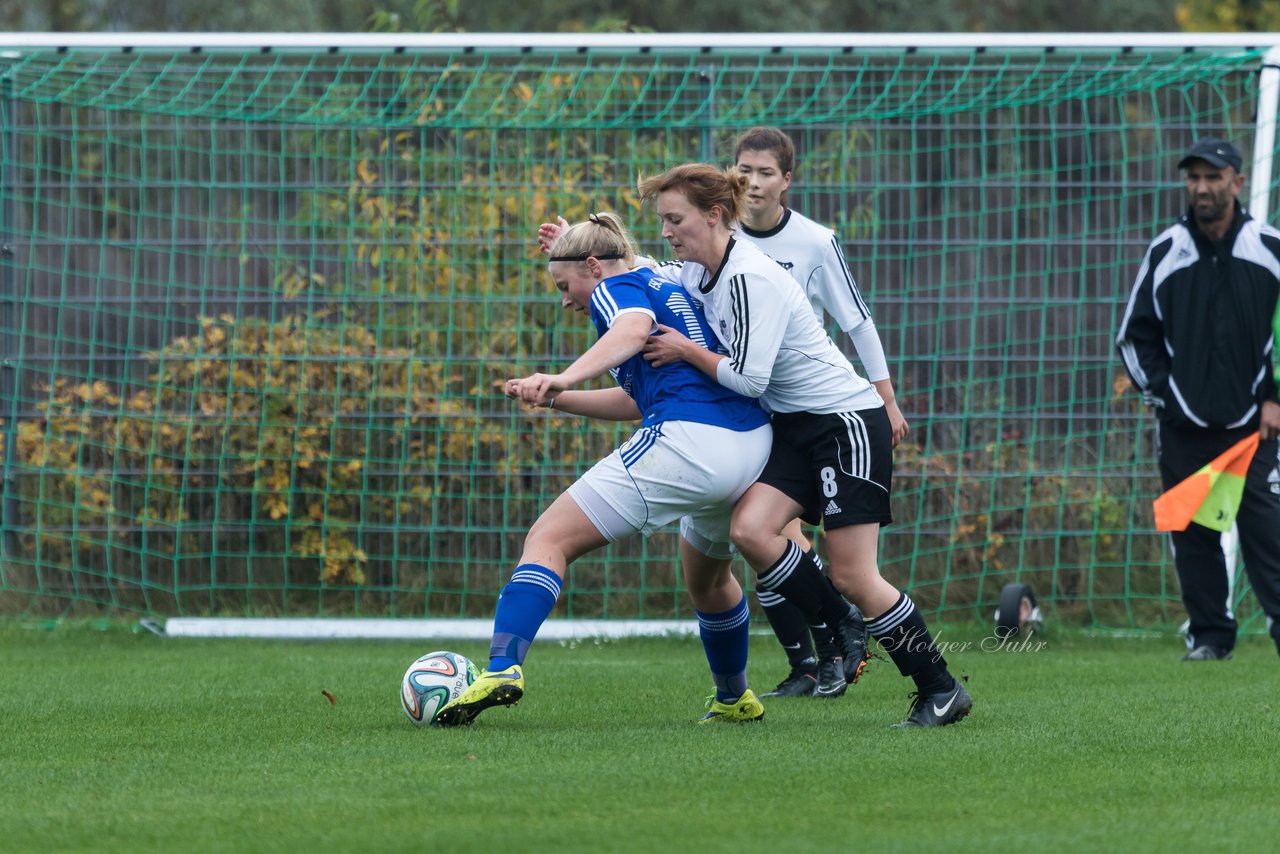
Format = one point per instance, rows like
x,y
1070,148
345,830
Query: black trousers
x,y
1197,552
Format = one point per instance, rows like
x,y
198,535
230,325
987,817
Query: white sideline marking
x,y
304,628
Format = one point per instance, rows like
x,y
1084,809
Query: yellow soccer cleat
x,y
745,709
490,689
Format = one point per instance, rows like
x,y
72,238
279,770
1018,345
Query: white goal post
x,y
1261,176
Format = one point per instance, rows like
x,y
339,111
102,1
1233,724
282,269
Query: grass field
x,y
114,740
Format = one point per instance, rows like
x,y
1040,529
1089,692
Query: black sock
x,y
790,628
903,634
853,609
812,554
796,577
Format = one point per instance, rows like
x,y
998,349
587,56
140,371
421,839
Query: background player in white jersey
x,y
699,447
832,451
811,254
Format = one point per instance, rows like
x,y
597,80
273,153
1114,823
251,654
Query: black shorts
x,y
838,467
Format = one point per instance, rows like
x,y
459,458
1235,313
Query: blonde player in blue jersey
x,y
811,254
832,457
698,449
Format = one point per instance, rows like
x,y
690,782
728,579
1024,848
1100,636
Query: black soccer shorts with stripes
x,y
838,467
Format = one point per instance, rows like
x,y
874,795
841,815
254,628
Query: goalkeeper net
x,y
259,303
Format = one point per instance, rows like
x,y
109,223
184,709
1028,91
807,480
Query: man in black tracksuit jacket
x,y
1197,340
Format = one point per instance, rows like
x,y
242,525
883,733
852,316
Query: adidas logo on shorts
x,y
832,508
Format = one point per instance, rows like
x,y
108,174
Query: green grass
x,y
114,740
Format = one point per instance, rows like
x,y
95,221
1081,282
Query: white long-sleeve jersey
x,y
777,350
811,254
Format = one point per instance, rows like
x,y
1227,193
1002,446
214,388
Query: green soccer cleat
x,y
490,689
745,709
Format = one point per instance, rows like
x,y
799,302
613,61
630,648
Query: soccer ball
x,y
433,680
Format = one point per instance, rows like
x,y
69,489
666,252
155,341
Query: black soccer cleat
x,y
1208,653
799,683
852,636
939,709
831,682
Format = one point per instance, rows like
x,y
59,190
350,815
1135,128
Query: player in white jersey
x,y
700,446
810,253
832,450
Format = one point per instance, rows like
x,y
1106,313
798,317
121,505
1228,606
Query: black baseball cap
x,y
1215,152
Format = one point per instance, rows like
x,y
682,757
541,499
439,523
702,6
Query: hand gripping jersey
x,y
777,349
810,253
677,392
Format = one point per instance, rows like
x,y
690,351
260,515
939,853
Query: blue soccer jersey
x,y
676,392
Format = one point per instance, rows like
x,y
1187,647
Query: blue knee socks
x,y
523,607
724,637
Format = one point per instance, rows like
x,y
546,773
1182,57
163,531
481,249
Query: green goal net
x,y
258,304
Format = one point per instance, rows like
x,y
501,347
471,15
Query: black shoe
x,y
1208,653
853,639
799,683
939,709
831,682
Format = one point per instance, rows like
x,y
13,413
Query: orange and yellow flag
x,y
1211,496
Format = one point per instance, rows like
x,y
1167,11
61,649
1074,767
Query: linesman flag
x,y
1211,496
